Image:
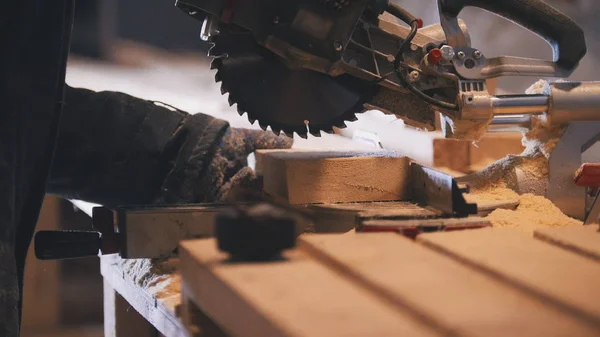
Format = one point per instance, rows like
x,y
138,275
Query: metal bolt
x,y
391,58
461,55
338,46
477,54
414,76
447,53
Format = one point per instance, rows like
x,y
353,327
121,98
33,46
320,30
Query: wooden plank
x,y
340,218
583,240
566,280
296,296
159,312
440,289
120,320
493,147
305,178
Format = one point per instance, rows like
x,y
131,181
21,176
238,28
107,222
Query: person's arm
x,y
115,149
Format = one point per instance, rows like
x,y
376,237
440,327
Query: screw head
x,y
461,55
477,54
338,46
448,53
414,76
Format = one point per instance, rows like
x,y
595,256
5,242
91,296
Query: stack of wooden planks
x,y
484,282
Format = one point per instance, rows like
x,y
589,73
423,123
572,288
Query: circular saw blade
x,y
288,100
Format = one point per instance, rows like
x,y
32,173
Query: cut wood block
x,y
566,280
584,240
307,178
451,154
296,296
440,290
494,146
260,155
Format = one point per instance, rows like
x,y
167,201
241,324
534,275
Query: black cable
x,y
400,13
410,19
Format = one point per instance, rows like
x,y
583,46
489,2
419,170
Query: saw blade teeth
x,y
224,89
329,131
289,134
240,109
352,118
316,133
230,100
341,125
303,135
251,120
215,63
276,130
263,126
218,77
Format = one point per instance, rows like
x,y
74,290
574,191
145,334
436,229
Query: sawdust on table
x,y
533,212
523,178
158,277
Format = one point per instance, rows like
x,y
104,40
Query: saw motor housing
x,y
411,74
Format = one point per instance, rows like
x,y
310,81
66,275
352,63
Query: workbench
x,y
484,282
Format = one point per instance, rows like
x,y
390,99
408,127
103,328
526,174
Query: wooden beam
x,y
305,178
441,290
583,240
121,319
565,280
294,296
160,312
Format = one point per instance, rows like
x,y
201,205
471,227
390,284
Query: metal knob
x,y
255,232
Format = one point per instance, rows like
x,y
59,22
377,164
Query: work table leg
x,y
121,319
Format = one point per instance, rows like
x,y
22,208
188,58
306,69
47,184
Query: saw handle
x,y
561,32
58,245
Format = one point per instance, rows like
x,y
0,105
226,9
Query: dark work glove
x,y
229,167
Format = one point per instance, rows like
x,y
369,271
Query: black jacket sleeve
x,y
116,150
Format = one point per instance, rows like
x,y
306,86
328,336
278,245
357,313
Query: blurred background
x,y
152,50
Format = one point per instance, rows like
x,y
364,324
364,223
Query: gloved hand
x,y
229,167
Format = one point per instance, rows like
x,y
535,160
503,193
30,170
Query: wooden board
x,y
158,312
566,280
441,291
339,218
296,296
304,178
584,240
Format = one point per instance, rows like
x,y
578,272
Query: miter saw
x,y
306,66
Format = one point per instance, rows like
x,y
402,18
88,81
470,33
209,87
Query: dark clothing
x,y
111,149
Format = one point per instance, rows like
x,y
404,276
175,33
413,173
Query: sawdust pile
x,y
533,212
158,277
